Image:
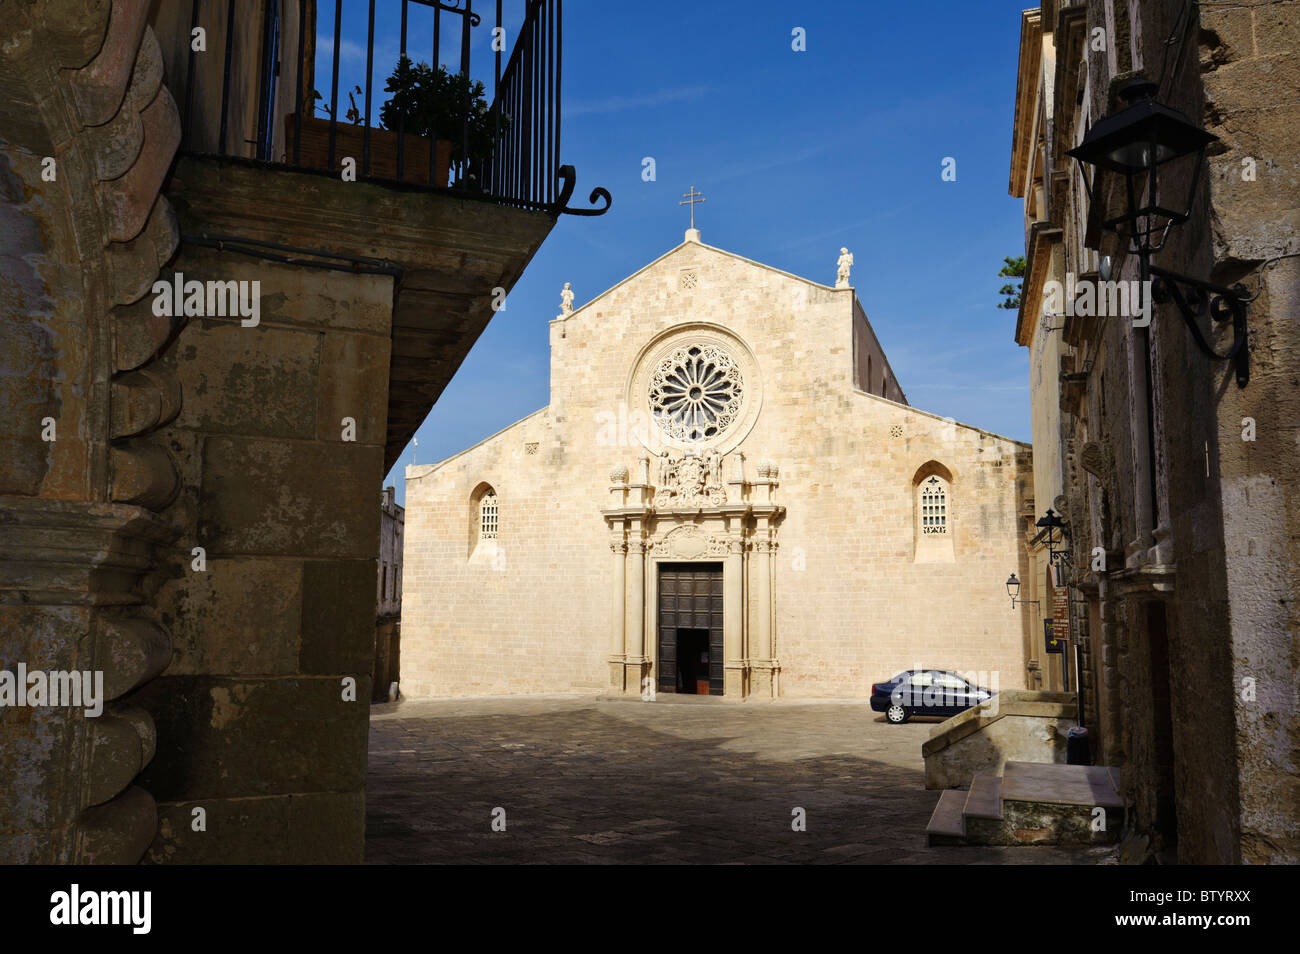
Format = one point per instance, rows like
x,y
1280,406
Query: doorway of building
x,y
689,626
693,661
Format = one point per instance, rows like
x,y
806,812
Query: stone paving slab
x,y
595,780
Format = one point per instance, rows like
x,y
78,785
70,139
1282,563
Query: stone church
x,y
727,494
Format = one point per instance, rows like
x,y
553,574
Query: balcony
x,y
330,134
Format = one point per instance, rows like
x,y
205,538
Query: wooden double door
x,y
690,628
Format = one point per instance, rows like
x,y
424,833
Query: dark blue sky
x,y
798,153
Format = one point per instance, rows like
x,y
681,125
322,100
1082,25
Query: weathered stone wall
x,y
388,658
178,471
1213,744
388,613
87,132
851,604
253,723
1016,726
1250,75
1231,617
392,527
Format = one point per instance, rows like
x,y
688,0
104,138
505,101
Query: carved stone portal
x,y
682,512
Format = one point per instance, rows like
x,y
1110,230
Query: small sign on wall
x,y
1054,645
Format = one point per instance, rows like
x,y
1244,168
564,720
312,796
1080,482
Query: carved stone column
x,y
617,651
634,615
733,617
760,647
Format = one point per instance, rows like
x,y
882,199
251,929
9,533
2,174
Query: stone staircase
x,y
1016,725
1032,803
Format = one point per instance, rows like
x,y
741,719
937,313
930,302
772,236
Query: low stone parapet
x,y
1016,725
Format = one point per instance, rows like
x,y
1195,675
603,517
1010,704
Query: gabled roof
x,y
695,244
417,471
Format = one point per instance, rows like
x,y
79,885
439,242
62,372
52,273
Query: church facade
x,y
727,494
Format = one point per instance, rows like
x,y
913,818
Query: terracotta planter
x,y
383,151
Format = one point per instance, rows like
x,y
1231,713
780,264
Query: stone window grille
x,y
689,279
489,519
934,507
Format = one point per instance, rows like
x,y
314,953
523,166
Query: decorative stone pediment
x,y
689,482
690,543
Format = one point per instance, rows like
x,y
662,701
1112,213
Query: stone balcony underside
x,y
452,254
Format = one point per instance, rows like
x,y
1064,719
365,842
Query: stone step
x,y
1054,784
984,800
947,825
1033,803
1053,804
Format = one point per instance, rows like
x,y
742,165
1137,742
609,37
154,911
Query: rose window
x,y
696,393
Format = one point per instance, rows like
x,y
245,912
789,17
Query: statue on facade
x,y
842,268
566,300
667,472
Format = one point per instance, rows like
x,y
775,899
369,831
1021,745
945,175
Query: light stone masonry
x,y
808,499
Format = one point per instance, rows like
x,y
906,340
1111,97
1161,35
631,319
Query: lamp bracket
x,y
1195,298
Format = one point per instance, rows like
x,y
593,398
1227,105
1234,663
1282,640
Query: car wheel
x,y
897,714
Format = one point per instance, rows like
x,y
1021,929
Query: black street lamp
x,y
1013,590
1135,142
1050,522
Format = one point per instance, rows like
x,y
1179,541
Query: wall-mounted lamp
x,y
1135,142
1013,590
1051,524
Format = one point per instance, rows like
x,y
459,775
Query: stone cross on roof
x,y
692,197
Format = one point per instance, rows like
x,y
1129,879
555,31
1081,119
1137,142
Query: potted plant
x,y
433,102
427,103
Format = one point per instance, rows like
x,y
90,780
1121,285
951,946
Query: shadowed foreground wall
x,y
1193,625
253,725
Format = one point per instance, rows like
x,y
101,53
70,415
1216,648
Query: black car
x,y
935,692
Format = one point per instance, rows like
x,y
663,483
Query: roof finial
x,y
692,197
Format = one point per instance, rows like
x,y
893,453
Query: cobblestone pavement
x,y
585,779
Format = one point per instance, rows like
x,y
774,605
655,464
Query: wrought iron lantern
x,y
1136,142
1013,590
1051,523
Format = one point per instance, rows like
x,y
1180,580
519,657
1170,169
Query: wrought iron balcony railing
x,y
411,121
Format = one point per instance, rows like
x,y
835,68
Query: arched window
x,y
489,518
934,506
483,519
